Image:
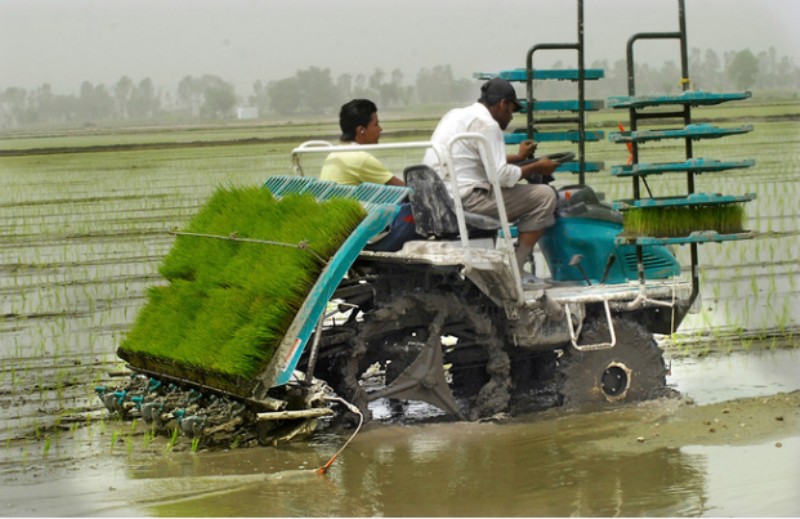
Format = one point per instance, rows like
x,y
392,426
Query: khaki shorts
x,y
530,205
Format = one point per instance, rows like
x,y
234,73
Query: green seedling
x,y
669,222
195,444
239,297
172,441
114,436
47,442
147,438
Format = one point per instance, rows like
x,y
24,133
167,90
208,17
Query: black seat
x,y
434,210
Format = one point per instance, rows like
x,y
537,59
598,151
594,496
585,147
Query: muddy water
x,y
657,458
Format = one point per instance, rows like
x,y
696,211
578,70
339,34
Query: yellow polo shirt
x,y
352,168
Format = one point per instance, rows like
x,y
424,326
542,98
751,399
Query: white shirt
x,y
467,162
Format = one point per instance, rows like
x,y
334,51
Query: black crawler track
x,y
393,335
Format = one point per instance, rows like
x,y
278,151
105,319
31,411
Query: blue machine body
x,y
585,226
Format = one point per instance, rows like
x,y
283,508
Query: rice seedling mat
x,y
229,302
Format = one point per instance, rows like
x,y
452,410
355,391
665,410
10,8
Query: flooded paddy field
x,y
83,235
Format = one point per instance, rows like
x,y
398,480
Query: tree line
x,y
316,91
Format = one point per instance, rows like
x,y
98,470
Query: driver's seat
x,y
434,210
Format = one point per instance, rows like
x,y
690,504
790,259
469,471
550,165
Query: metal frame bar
x,y
491,172
581,118
599,346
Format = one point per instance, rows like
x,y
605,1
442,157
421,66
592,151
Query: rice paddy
x,y
84,236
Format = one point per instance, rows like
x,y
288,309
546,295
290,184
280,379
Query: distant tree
x,y
94,102
361,91
711,69
285,96
122,93
260,97
376,79
318,93
13,101
144,100
218,96
439,86
42,103
344,88
670,78
190,95
743,69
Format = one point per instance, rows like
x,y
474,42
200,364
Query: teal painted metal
x,y
568,136
691,97
312,309
562,106
381,205
280,185
677,201
574,167
595,240
691,131
695,237
692,165
521,74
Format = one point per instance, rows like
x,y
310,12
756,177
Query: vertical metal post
x,y
687,118
581,100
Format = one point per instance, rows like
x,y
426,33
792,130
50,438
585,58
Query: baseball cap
x,y
496,89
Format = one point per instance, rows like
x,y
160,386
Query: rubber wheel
x,y
633,370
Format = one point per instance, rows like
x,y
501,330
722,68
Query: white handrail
x,y
327,147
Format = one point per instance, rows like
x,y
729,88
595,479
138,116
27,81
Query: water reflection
x,y
539,468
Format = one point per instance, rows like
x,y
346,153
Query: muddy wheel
x,y
632,370
403,348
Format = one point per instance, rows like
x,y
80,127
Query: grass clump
x,y
677,221
228,304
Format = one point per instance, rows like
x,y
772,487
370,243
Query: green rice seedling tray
x,y
695,237
695,199
567,136
237,316
677,218
563,106
693,98
521,74
691,165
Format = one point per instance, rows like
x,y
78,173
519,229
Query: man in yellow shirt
x,y
358,120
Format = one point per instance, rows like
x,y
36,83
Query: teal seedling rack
x,y
572,113
638,107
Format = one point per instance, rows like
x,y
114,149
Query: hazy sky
x,y
64,42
